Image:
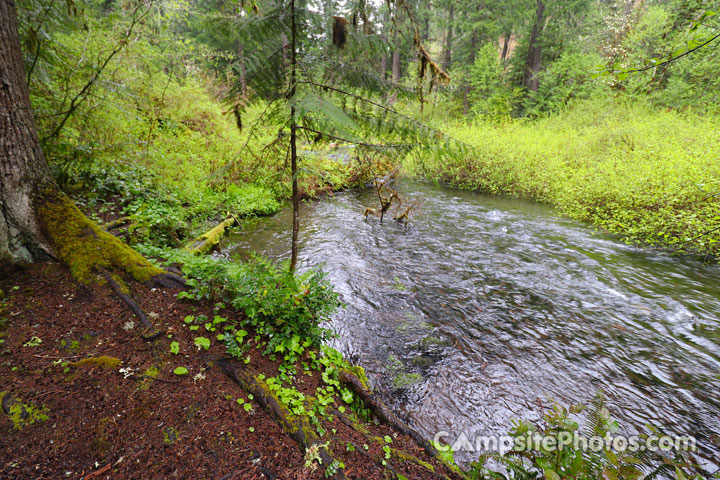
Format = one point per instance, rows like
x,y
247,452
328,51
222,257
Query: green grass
x,y
651,176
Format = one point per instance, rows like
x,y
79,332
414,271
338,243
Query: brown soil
x,y
121,423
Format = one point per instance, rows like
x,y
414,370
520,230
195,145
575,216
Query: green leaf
x,y
180,371
544,463
175,348
202,342
551,475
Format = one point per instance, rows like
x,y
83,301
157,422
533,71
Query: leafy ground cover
x,y
650,176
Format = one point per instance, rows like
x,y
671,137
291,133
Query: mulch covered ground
x,y
138,420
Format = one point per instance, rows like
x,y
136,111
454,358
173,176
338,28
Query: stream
x,y
484,304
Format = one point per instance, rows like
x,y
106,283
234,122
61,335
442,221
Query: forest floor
x,y
86,397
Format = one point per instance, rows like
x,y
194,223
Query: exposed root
x,y
82,245
168,279
134,307
114,225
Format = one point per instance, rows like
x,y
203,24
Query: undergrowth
x,y
284,317
650,176
552,450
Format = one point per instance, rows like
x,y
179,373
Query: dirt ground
x,y
136,419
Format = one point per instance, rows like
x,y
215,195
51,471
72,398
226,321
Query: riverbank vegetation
x,y
171,121
625,167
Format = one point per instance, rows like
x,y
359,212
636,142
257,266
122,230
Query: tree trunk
x,y
396,65
426,21
293,143
24,173
447,50
533,65
506,47
37,220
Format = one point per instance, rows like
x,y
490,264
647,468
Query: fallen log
x,y
385,415
120,222
205,242
296,426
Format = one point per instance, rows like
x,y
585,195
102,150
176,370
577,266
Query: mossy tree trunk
x,y
37,220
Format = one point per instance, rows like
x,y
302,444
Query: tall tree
x,y
533,63
37,220
448,46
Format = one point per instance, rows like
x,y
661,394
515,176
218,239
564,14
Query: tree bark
x,y
533,64
396,61
293,142
447,50
24,171
506,47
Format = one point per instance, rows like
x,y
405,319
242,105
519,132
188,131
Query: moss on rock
x,y
21,414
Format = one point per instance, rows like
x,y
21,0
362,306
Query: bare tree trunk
x,y
506,47
293,143
533,65
396,63
24,172
447,50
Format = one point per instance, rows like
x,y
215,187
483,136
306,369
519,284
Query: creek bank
x,y
116,407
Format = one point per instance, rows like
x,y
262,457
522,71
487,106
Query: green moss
x,y
152,371
24,414
86,248
359,372
204,243
170,435
403,380
148,375
101,444
104,362
406,457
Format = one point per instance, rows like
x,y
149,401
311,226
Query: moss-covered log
x,y
207,241
385,415
296,426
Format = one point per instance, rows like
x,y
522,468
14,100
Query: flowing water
x,y
485,304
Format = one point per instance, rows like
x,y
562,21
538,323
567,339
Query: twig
x,y
635,70
97,472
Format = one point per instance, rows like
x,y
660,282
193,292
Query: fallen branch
x,y
120,222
